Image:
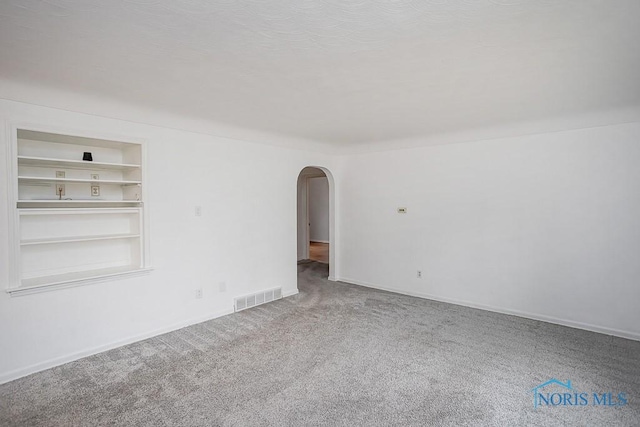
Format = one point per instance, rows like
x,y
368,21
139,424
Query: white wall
x,y
240,185
544,225
319,210
547,225
301,213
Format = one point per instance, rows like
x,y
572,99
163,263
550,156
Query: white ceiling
x,y
337,71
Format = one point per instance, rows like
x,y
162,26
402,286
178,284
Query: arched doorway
x,y
316,217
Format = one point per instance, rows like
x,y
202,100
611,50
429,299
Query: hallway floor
x,y
319,252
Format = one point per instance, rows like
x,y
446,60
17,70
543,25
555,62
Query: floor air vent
x,y
248,301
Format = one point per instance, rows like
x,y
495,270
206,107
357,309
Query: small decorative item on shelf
x,y
87,157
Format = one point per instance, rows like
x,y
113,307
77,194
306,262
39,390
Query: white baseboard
x,y
541,317
290,293
23,372
319,241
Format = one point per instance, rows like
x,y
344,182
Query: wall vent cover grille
x,y
252,300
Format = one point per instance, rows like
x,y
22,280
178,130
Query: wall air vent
x,y
248,301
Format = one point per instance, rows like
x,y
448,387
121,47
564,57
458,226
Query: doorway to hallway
x,y
315,216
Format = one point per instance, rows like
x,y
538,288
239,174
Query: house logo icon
x,y
537,394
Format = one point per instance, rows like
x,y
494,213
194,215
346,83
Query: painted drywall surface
x,y
301,219
240,186
546,225
319,210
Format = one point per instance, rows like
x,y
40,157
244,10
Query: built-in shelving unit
x,y
75,221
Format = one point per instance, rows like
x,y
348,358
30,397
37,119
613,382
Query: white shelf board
x,y
79,203
72,164
31,242
38,284
58,138
73,180
99,210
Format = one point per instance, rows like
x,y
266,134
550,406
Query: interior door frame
x,y
303,191
306,253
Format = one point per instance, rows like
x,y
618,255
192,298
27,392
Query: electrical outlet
x,y
95,176
222,286
199,293
402,210
60,174
95,190
198,210
419,274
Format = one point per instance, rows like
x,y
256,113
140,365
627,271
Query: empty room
x,y
323,213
